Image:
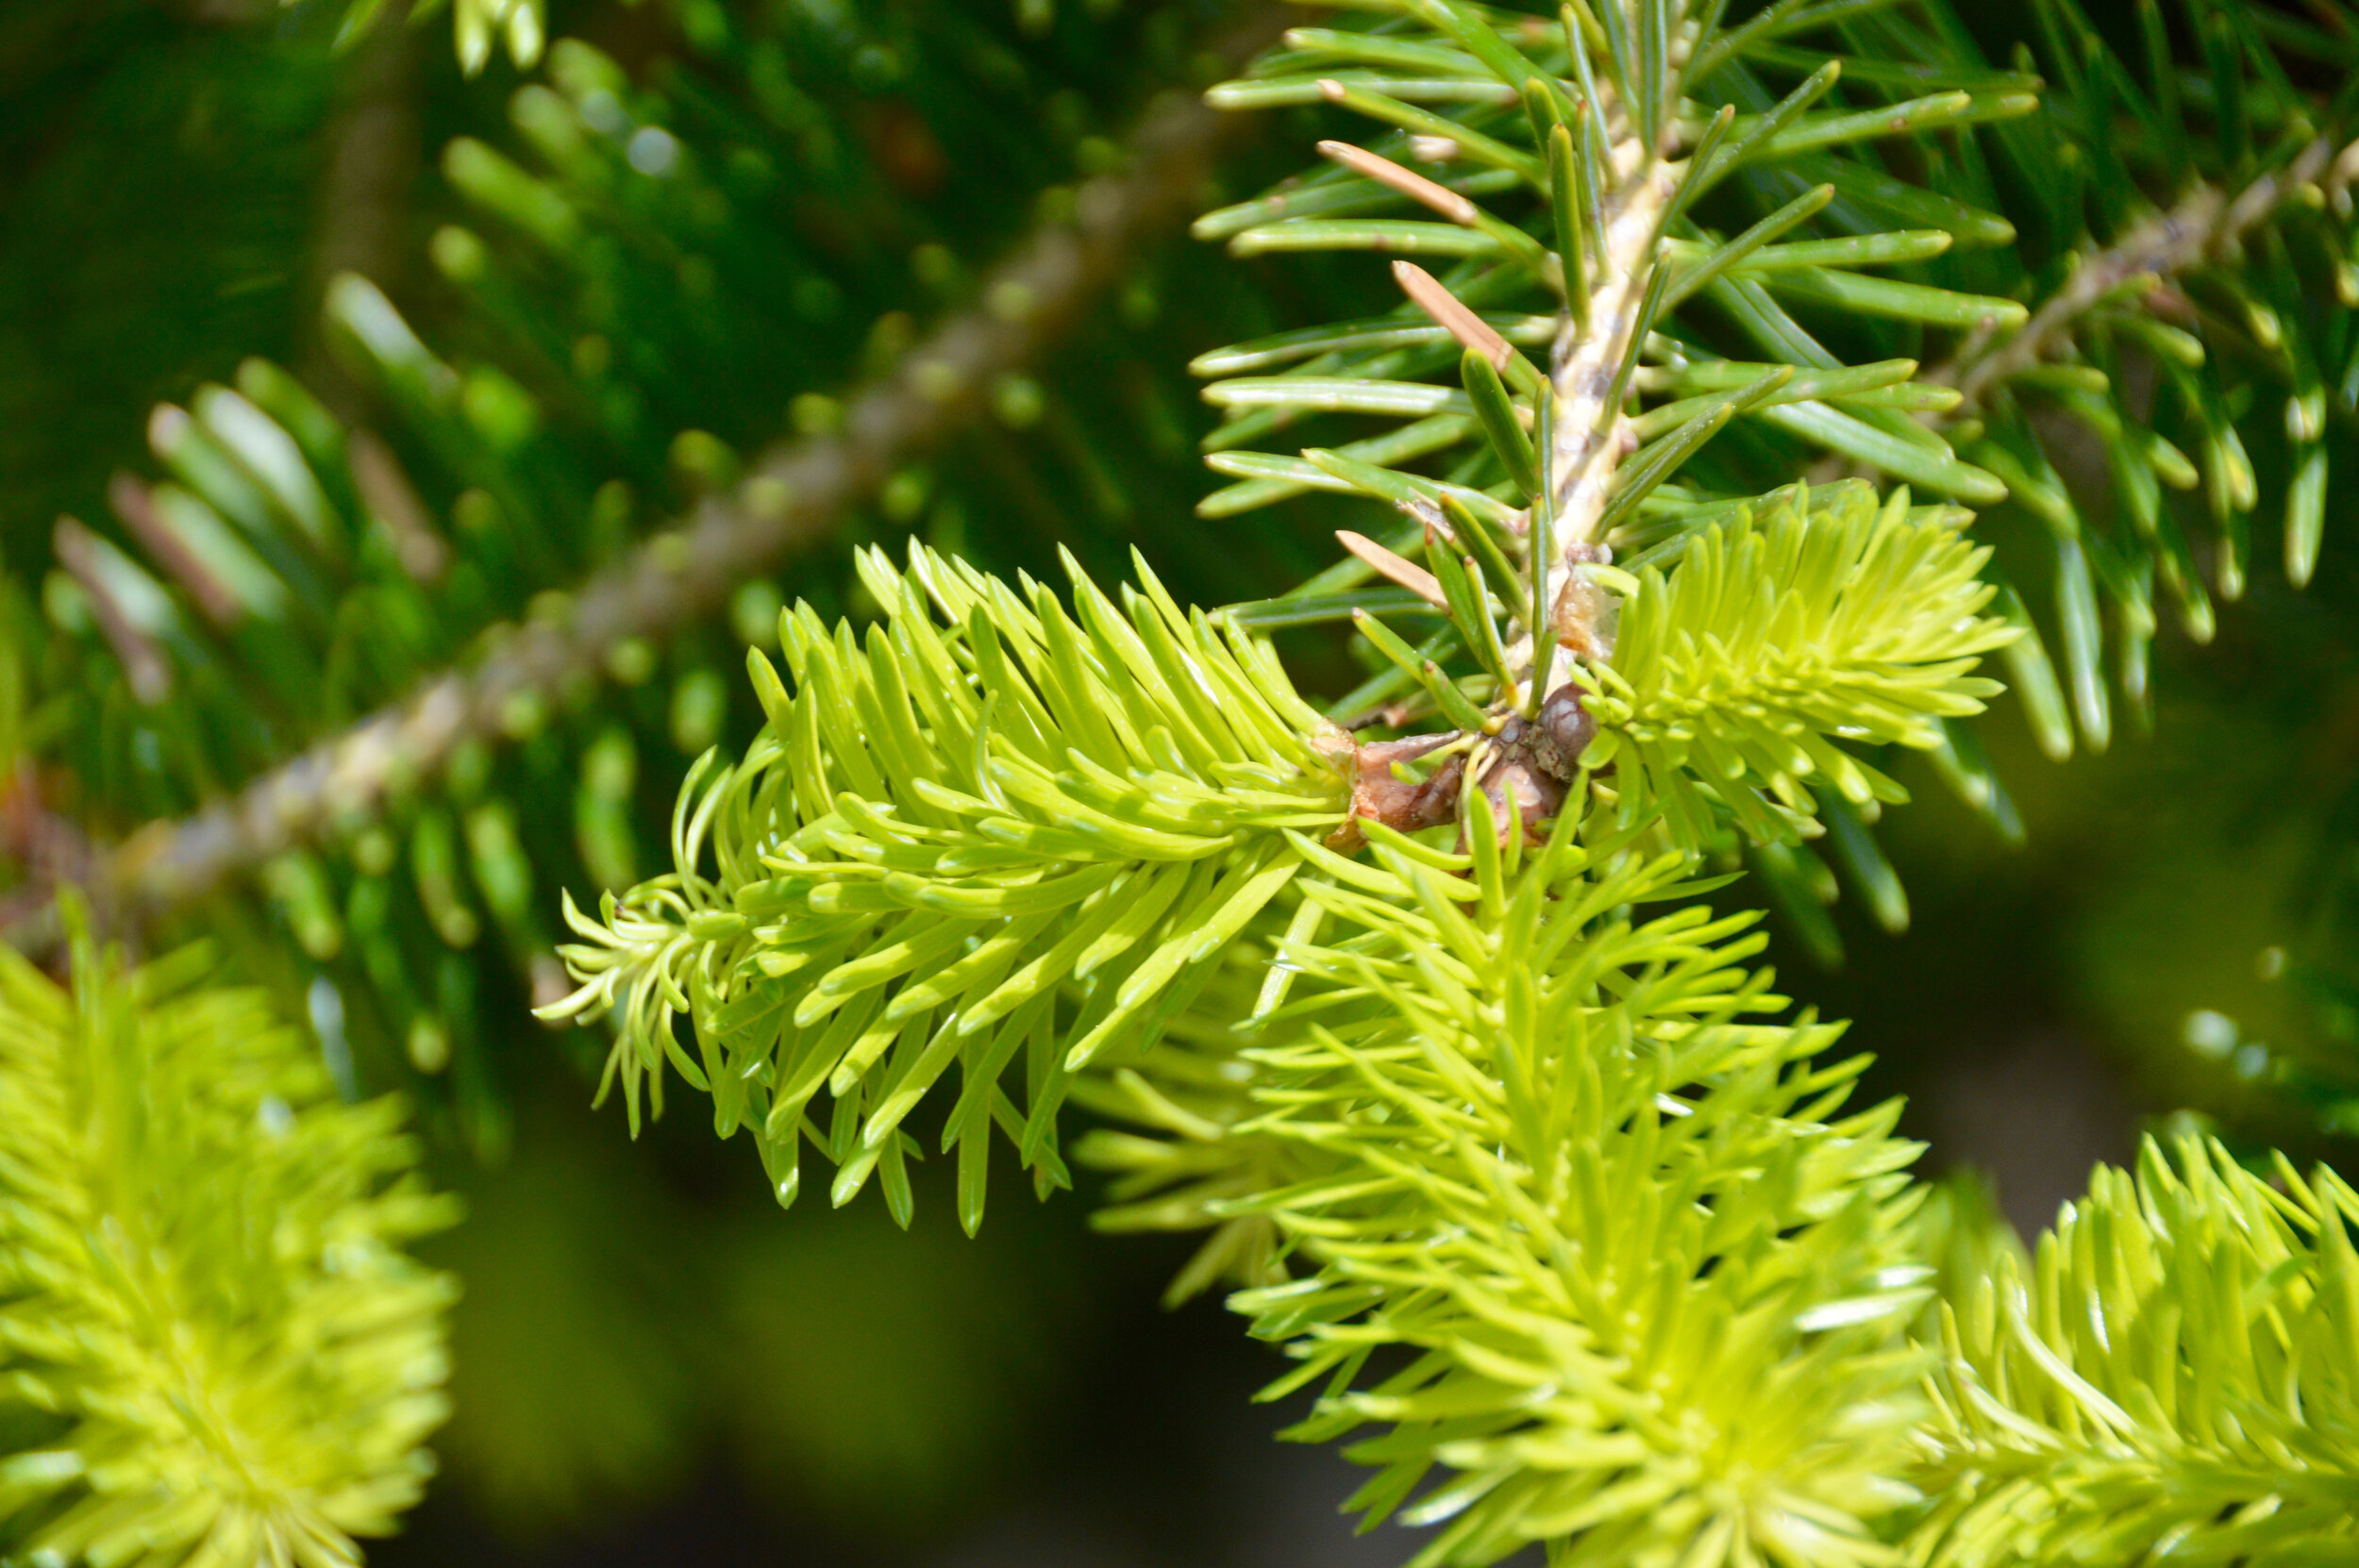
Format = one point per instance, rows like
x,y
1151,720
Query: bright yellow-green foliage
x,y
208,1314
2174,1379
1654,1292
1773,638
944,829
1665,1309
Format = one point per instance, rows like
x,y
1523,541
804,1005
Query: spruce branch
x,y
2225,179
1649,1292
991,830
2202,213
222,1352
1574,462
2174,1375
791,498
1434,1132
2206,261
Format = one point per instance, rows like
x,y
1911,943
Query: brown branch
x,y
788,502
2204,225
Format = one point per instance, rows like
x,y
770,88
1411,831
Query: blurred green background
x,y
654,1363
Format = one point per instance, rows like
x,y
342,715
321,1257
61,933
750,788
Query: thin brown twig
x,y
2204,224
788,502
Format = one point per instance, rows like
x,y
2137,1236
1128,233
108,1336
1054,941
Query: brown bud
x,y
1535,798
1563,731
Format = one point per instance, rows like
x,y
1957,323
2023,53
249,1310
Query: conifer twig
x,y
2204,222
788,502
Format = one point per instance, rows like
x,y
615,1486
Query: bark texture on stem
x,y
1588,439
